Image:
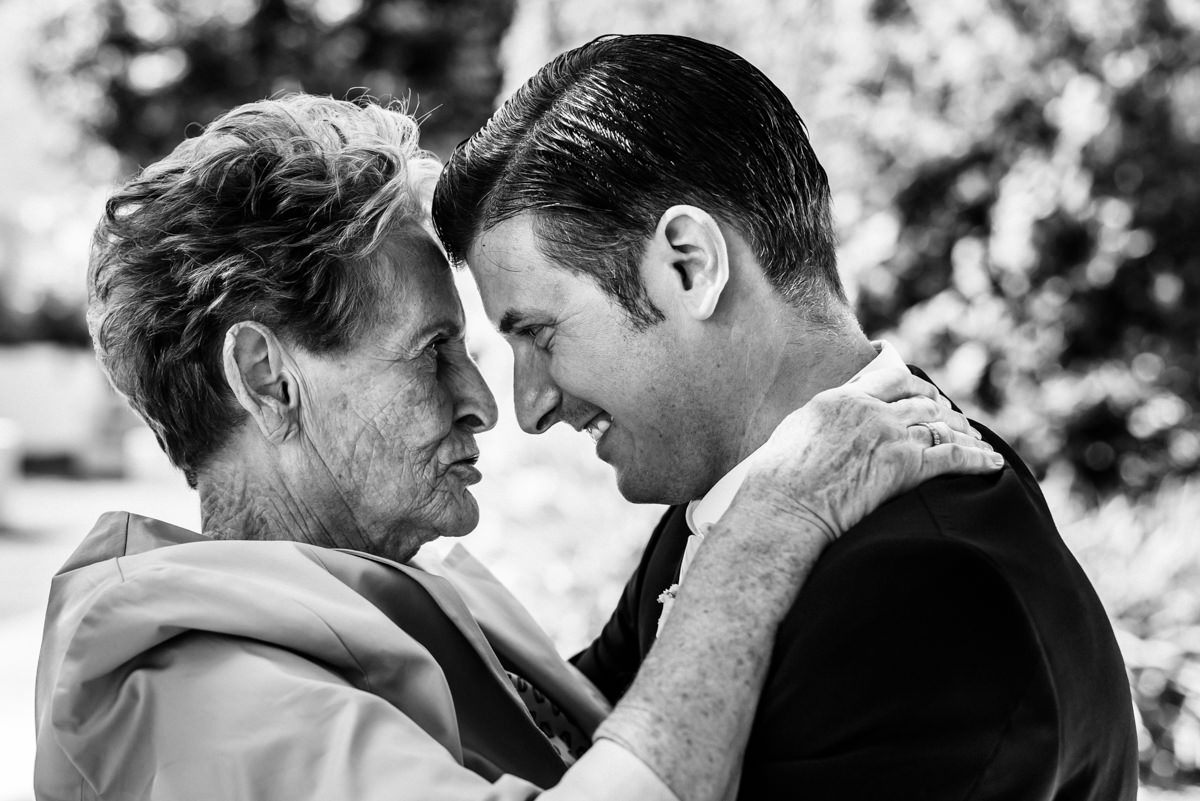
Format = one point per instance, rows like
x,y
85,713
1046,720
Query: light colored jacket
x,y
176,667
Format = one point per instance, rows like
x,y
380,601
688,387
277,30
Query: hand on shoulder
x,y
851,448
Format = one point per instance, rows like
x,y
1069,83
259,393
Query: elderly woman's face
x,y
391,423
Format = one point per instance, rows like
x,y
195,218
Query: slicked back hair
x,y
608,136
276,213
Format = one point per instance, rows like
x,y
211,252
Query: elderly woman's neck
x,y
241,504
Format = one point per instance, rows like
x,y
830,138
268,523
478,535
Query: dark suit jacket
x,y
947,647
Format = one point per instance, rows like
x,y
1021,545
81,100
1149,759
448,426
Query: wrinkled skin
x,y
853,447
389,426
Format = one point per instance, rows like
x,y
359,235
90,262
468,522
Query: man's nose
x,y
474,403
537,398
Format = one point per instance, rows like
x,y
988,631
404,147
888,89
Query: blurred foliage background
x,y
1017,188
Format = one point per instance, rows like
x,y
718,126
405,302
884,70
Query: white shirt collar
x,y
702,513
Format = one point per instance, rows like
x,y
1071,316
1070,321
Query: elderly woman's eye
x,y
434,349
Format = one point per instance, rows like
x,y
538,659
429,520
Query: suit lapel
x,y
662,570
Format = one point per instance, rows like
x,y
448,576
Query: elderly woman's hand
x,y
851,448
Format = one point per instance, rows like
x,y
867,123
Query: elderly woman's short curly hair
x,y
273,214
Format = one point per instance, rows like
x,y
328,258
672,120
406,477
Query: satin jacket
x,y
176,667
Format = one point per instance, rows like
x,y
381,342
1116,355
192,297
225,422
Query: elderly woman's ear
x,y
262,378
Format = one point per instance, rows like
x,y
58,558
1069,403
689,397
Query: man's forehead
x,y
509,245
515,278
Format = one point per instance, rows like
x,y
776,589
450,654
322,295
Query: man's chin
x,y
640,488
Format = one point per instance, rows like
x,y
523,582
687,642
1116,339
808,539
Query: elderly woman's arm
x,y
689,711
206,714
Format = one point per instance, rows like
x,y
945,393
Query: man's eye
x,y
540,335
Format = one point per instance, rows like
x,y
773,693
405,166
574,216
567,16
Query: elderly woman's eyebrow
x,y
444,326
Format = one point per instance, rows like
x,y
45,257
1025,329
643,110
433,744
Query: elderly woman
x,y
269,299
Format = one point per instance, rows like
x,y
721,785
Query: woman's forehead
x,y
417,292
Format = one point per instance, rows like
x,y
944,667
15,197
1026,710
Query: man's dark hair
x,y
608,136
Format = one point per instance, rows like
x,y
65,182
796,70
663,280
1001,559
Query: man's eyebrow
x,y
509,321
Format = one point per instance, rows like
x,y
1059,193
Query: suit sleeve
x,y
613,658
207,716
907,669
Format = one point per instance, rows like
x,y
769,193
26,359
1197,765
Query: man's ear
x,y
693,259
260,375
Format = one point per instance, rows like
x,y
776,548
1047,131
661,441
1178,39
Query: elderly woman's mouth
x,y
465,469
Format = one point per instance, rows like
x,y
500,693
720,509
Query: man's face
x,y
577,359
391,422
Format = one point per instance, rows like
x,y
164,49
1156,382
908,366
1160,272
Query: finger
x,y
915,411
957,421
892,384
967,440
923,409
934,433
953,457
926,434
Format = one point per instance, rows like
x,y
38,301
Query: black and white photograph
x,y
705,400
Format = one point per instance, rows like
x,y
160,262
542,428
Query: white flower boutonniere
x,y
667,599
668,595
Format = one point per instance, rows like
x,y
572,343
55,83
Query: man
x,y
651,231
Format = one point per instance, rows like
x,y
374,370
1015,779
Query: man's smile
x,y
598,425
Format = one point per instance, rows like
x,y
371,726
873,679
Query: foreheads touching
x,y
276,213
606,137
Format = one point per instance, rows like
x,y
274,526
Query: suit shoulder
x,y
909,560
994,520
902,571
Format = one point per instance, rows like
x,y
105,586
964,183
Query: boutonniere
x,y
667,599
